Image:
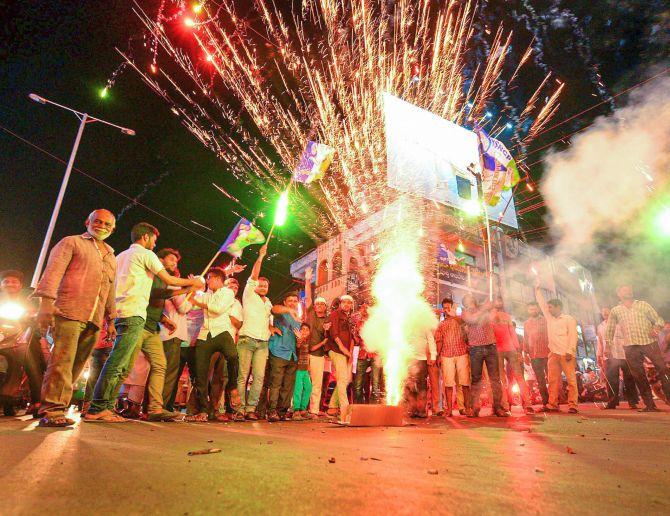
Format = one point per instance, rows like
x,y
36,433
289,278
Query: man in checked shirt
x,y
641,325
452,352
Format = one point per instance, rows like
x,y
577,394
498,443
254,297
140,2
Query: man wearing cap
x,y
316,317
76,293
339,351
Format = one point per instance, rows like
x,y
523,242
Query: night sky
x,y
65,51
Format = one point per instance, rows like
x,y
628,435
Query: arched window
x,y
337,265
322,274
353,264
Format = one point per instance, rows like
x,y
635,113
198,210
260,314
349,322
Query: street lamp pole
x,y
84,118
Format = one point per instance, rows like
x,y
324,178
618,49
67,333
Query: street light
x,y
84,119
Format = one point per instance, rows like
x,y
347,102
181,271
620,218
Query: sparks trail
x,y
283,77
141,195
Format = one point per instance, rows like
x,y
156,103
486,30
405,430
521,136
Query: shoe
x,y
633,407
609,407
287,416
501,413
573,410
297,417
251,416
165,416
222,417
649,409
421,415
273,416
9,410
463,412
308,415
439,413
472,413
548,408
529,410
448,414
238,417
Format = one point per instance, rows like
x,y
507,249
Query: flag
x,y
315,160
499,168
244,234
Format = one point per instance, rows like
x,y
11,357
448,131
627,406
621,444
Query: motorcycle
x,y
15,334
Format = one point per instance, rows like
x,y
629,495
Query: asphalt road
x,y
599,462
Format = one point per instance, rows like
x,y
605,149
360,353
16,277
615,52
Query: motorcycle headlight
x,y
12,311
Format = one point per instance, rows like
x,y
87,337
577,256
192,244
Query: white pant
x,y
343,378
316,365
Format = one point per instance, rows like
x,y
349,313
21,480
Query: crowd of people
x,y
138,324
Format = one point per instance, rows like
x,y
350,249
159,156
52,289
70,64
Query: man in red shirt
x,y
452,352
339,351
536,347
506,343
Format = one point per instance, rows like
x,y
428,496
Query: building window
x,y
322,274
353,264
463,187
465,259
337,265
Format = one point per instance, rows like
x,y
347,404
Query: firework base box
x,y
376,415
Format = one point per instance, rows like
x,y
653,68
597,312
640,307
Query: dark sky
x,y
65,52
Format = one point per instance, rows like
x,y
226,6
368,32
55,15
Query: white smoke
x,y
602,191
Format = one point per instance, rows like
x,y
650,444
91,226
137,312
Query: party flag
x,y
243,235
315,160
499,168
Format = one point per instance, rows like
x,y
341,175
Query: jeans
x,y
316,366
253,356
185,357
555,364
172,351
478,356
635,356
540,368
416,387
98,359
512,359
128,340
612,368
73,343
204,350
302,390
282,382
262,407
152,348
359,380
434,386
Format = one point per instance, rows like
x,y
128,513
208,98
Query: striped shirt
x,y
479,328
536,339
450,338
637,323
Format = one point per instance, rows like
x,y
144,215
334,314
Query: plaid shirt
x,y
479,328
536,339
637,323
450,338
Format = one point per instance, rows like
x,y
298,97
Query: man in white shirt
x,y
216,334
136,268
175,310
424,354
562,334
220,372
252,347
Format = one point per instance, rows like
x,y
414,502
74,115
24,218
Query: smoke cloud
x,y
604,193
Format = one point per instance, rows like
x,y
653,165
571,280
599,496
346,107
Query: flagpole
x,y
480,194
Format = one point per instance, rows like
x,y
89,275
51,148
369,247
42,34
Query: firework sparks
x,y
254,87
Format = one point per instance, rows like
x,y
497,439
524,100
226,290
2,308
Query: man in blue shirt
x,y
283,357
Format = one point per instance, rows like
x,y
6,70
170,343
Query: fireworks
x,y
255,87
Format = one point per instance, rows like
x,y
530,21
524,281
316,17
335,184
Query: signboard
x,y
429,156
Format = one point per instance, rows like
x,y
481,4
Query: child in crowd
x,y
303,384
